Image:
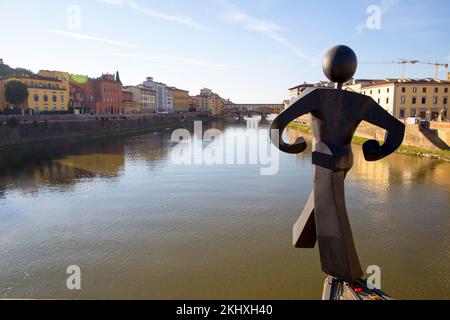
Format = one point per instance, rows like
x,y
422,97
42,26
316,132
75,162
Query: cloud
x,y
79,36
176,60
269,29
188,21
385,6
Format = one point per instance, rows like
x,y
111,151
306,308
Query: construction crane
x,y
402,62
436,67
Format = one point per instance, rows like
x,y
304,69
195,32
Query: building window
x,y
413,113
414,100
435,100
45,98
414,90
54,99
403,89
62,99
402,99
402,113
446,90
436,90
445,100
36,98
370,91
424,90
379,90
379,101
387,90
387,100
424,100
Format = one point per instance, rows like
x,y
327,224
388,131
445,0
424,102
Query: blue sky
x,y
248,51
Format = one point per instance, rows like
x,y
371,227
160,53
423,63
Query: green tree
x,y
16,93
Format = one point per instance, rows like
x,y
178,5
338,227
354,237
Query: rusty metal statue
x,y
335,116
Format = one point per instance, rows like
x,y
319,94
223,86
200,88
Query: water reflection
x,y
397,169
140,226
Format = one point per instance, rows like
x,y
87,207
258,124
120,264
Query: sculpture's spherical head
x,y
339,64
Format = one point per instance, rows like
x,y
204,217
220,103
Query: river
x,y
140,225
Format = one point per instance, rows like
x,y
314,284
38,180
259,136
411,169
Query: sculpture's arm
x,y
375,114
303,105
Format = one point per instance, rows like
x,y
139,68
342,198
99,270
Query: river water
x,y
141,225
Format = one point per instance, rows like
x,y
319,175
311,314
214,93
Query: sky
x,y
250,51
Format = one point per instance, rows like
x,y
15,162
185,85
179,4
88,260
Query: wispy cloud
x,y
174,60
269,29
385,6
79,36
187,21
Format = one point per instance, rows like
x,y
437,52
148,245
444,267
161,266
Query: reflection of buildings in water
x,y
397,169
97,158
60,164
50,174
377,172
107,165
216,124
151,148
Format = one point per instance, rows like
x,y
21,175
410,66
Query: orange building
x,y
104,95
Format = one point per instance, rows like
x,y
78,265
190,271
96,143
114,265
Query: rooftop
x,y
319,84
373,83
35,77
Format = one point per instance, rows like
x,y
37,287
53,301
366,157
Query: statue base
x,y
335,289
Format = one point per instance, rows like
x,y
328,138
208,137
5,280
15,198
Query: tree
x,y
118,77
7,71
16,93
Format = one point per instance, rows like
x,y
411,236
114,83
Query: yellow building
x,y
424,98
64,77
45,94
421,98
132,107
181,100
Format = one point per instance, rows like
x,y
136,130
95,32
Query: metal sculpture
x,y
335,116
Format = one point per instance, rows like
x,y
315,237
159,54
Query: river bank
x,y
443,155
19,131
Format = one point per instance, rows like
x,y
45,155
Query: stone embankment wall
x,y
23,129
425,138
436,137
